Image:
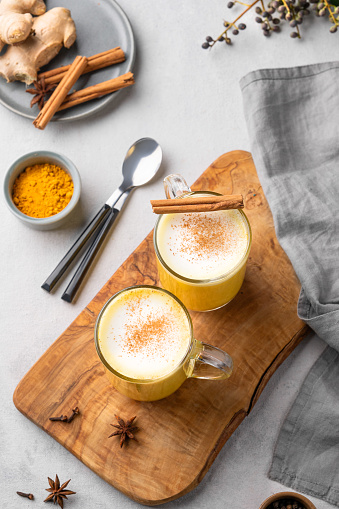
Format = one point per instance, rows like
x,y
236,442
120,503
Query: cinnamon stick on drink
x,y
60,93
95,62
198,204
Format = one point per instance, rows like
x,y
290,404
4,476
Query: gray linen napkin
x,y
292,117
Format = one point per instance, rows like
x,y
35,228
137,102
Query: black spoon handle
x,y
54,277
89,256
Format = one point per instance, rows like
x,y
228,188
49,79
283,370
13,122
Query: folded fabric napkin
x,y
292,117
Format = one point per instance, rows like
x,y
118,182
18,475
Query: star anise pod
x,y
58,493
40,91
124,429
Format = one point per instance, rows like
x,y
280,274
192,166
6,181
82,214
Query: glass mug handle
x,y
175,186
209,362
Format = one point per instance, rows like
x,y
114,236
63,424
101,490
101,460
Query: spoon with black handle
x,y
141,163
91,252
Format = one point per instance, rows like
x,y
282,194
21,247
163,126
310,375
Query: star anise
x,y
58,493
124,429
40,92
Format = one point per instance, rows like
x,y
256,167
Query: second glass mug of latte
x,y
144,339
201,257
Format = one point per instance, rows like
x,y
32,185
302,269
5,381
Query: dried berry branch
x,y
292,11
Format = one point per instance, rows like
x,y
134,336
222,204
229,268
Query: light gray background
x,y
189,100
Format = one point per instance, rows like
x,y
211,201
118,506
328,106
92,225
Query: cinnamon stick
x,y
95,91
60,93
198,204
95,62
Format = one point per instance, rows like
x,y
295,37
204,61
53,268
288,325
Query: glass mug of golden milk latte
x,y
201,256
144,338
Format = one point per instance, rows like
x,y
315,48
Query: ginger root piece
x,y
51,31
16,20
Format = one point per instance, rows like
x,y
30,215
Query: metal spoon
x,y
141,163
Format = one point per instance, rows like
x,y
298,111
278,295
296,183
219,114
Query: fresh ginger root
x,y
51,31
16,20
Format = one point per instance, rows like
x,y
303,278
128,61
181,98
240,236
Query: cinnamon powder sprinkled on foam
x,y
208,238
201,236
146,330
204,235
153,333
146,335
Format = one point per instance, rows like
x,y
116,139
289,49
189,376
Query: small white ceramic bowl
x,y
40,157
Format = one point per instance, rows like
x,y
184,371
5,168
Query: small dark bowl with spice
x,y
42,188
287,500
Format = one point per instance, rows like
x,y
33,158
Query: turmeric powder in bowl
x,y
42,190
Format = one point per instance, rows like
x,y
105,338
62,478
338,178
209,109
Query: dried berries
x,y
286,503
272,12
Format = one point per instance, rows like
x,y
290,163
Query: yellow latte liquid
x,y
143,337
202,256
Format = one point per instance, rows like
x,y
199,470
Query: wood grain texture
x,y
180,436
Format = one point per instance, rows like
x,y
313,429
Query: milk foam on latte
x,y
144,333
202,245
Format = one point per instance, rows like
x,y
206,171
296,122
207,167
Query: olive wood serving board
x,y
180,436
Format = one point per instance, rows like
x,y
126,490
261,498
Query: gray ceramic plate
x,y
101,25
